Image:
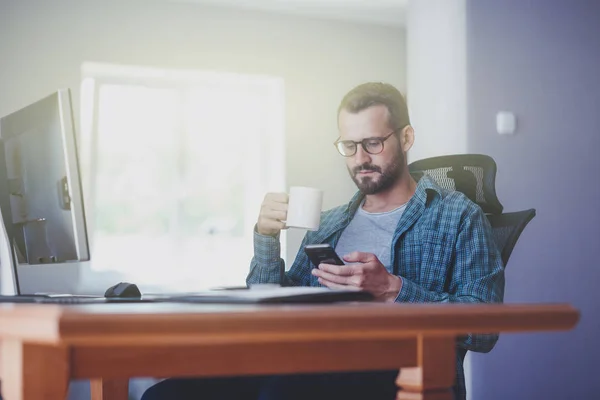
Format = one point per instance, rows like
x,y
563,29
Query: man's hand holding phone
x,y
363,271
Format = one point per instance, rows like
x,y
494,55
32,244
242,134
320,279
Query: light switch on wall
x,y
506,122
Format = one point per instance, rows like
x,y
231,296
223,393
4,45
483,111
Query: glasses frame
x,y
363,144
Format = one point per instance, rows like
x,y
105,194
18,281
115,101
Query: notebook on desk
x,y
275,295
67,299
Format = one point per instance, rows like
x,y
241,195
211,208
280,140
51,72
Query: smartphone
x,y
322,253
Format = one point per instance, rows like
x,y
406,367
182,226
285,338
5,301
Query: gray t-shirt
x,y
371,233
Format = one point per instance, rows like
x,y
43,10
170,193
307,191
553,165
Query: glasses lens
x,y
373,146
346,147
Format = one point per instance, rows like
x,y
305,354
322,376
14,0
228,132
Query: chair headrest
x,y
472,174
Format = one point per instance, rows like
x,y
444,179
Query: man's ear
x,y
407,138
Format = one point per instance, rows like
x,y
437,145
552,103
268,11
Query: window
x,y
176,164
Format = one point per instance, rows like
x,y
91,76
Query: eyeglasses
x,y
373,145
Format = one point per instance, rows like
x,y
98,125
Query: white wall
x,y
436,76
436,43
44,43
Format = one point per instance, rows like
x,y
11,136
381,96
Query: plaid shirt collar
x,y
426,190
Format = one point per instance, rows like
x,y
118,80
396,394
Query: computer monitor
x,y
41,196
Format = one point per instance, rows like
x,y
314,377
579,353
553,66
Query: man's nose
x,y
361,157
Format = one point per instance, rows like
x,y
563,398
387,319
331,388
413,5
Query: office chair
x,y
507,228
475,176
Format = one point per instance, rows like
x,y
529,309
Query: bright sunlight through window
x,y
176,164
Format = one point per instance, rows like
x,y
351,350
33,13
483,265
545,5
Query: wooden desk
x,y
43,346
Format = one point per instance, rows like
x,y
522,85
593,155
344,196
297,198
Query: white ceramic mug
x,y
304,208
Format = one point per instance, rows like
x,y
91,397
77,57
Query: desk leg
x,y
34,371
109,389
434,375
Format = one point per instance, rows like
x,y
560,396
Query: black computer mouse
x,y
123,289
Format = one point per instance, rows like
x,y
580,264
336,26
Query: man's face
x,y
372,173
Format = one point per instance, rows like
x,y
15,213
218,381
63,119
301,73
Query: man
x,y
401,240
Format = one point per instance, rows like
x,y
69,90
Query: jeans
x,y
378,385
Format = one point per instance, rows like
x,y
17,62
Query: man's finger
x,y
272,224
277,215
277,206
333,285
277,197
342,270
330,277
359,257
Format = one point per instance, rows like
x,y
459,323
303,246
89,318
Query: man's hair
x,y
376,93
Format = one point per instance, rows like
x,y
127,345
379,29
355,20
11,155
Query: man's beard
x,y
387,177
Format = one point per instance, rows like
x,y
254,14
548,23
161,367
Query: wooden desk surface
x,y
163,322
49,323
117,341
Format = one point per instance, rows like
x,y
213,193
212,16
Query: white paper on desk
x,y
265,292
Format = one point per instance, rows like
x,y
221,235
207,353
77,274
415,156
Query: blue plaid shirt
x,y
442,249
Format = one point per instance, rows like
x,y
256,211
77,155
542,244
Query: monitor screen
x,y
40,185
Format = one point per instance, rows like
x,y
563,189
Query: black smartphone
x,y
322,253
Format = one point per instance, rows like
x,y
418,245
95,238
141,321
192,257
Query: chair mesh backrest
x,y
507,228
472,174
475,176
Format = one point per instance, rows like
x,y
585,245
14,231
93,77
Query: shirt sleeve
x,y
477,276
267,266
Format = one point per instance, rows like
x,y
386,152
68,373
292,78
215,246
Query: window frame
x,y
94,75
